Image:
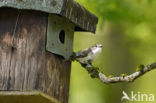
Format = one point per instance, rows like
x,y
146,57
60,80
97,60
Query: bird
x,y
88,55
125,96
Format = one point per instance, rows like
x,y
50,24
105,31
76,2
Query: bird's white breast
x,y
96,52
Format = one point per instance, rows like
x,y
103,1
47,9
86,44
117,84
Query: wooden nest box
x,y
36,36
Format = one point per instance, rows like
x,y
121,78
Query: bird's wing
x,y
83,53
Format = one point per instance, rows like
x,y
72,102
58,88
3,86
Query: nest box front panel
x,y
60,36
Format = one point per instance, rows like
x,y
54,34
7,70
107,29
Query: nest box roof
x,y
77,14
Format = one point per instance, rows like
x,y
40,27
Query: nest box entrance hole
x,y
62,36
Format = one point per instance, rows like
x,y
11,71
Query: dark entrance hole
x,y
62,36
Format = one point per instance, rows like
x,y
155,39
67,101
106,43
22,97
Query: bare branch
x,y
129,78
94,72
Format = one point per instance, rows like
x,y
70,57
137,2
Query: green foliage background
x,y
127,30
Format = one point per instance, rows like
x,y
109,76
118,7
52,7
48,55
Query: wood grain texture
x,y
29,66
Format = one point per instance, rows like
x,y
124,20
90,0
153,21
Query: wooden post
x,y
25,65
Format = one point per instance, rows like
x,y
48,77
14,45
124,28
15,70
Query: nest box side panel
x,y
56,77
26,65
22,54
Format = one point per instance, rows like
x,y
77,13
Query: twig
x,y
94,72
129,78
